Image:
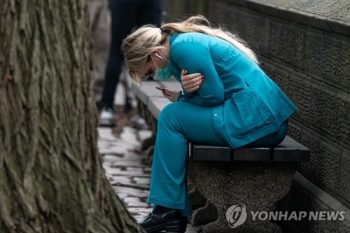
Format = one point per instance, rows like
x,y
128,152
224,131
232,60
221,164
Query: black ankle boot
x,y
169,221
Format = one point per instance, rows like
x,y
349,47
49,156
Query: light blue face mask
x,y
162,74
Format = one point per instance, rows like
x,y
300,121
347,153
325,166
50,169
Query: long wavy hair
x,y
138,46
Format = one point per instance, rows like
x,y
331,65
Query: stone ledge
x,y
322,196
332,16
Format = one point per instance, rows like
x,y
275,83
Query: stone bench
x,y
252,179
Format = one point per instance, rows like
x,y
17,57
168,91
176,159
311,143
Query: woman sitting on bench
x,y
227,100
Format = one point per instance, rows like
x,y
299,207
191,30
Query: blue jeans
x,y
126,15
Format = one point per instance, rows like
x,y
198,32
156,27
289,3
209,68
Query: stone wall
x,y
305,47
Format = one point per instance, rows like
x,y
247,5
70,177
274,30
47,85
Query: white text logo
x,y
236,215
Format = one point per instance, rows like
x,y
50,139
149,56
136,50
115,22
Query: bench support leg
x,y
204,215
257,185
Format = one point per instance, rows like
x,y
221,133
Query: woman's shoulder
x,y
188,37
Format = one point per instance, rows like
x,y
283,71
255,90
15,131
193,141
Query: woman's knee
x,y
170,111
171,116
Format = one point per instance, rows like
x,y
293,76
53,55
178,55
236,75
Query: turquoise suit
x,y
237,105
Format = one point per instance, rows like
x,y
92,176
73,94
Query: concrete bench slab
x,y
146,90
288,151
155,104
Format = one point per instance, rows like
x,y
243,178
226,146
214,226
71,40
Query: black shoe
x,y
169,222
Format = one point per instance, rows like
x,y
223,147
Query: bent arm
x,y
196,58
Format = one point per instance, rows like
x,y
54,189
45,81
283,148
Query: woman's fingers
x,y
171,95
194,84
190,78
191,82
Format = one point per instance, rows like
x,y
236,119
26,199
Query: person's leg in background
x,y
125,15
123,20
150,12
100,32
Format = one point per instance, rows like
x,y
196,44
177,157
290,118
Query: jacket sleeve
x,y
195,57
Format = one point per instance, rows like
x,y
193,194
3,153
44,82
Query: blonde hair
x,y
142,43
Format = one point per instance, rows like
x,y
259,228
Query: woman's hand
x,y
191,82
171,95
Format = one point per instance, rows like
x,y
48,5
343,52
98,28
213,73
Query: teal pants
x,y
178,123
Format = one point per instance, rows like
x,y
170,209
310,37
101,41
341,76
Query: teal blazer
x,y
246,104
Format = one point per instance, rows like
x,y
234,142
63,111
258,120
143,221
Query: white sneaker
x,y
107,117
